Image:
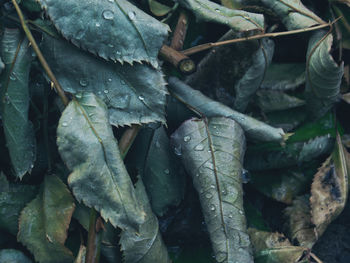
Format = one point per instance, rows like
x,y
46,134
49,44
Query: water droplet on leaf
x,y
199,147
166,171
208,196
106,91
132,15
64,124
212,207
187,138
108,14
83,82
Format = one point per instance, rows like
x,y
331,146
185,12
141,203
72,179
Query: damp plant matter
x,y
172,130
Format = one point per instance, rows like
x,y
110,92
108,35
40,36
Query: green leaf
x,y
212,153
274,100
114,30
288,120
283,76
329,190
133,94
293,14
14,101
298,222
158,8
253,128
13,198
247,86
44,222
13,256
238,20
146,246
99,177
31,5
323,75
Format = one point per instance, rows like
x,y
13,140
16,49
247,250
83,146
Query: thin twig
x,y
127,139
40,55
179,35
206,46
315,258
93,246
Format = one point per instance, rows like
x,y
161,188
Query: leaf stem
x,y
40,55
93,246
127,139
206,46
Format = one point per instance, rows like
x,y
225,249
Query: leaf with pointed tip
x,y
329,190
134,94
293,13
99,177
238,20
212,153
44,222
13,256
114,29
323,75
250,82
264,240
298,222
13,198
14,101
274,100
147,245
254,129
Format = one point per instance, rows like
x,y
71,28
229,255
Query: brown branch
x,y
179,35
177,59
127,139
93,246
206,46
40,55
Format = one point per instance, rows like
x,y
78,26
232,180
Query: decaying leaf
x,y
264,240
147,245
298,224
323,74
14,101
44,222
114,29
81,255
212,152
133,94
274,100
329,190
13,256
99,177
238,20
254,129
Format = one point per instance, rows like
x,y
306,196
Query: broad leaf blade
x,y
14,101
238,20
323,75
213,156
273,100
114,30
146,246
13,256
44,222
99,177
254,129
133,94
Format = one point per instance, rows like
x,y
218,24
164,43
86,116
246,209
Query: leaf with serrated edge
x,y
253,128
323,75
14,101
329,190
212,154
238,20
146,246
13,256
298,223
133,94
99,178
44,222
114,30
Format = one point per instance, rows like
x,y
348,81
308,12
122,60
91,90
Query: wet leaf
x,y
247,86
254,129
323,75
298,222
212,154
146,246
105,185
272,100
133,94
329,190
238,20
13,256
44,222
13,198
114,30
14,101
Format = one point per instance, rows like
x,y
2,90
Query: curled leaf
x,y
14,101
212,153
254,129
99,177
44,222
133,94
114,30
